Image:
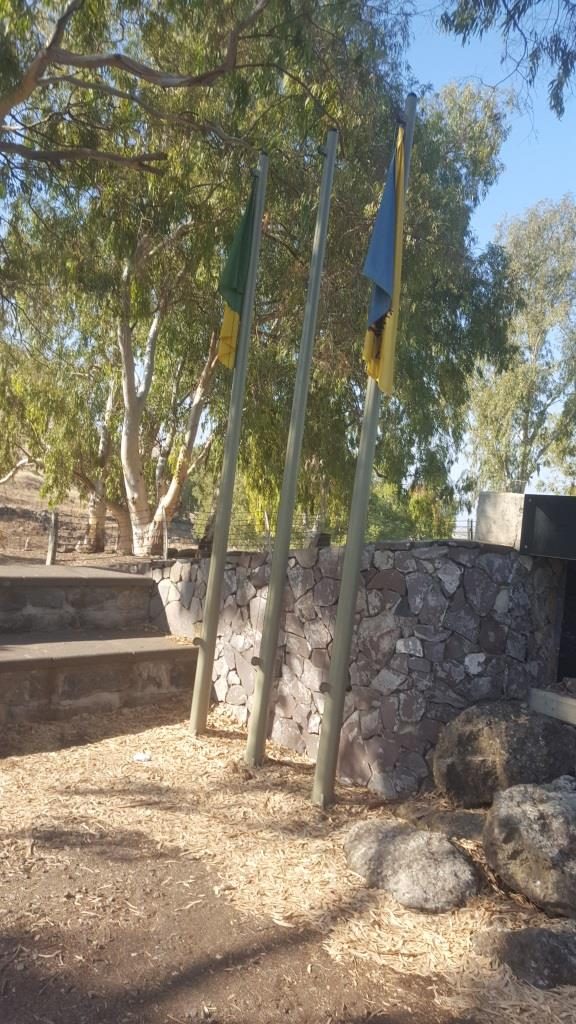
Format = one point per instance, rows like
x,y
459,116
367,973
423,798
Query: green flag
x,y
232,283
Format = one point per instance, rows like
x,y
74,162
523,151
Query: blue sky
x,y
540,152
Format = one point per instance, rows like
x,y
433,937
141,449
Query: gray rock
x,y
369,723
330,562
293,624
493,636
246,670
417,584
480,590
387,681
245,593
516,645
412,707
422,870
377,636
493,746
301,580
383,559
304,607
411,645
405,561
297,645
236,695
307,558
530,843
353,763
474,663
382,784
462,619
287,734
449,575
456,824
326,591
317,634
537,956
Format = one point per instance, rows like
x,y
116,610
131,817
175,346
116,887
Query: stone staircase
x,y
75,639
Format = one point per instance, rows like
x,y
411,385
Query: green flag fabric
x,y
232,283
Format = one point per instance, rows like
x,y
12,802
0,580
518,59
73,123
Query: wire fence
x,y
25,530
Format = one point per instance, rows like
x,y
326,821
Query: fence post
x,y
52,539
164,534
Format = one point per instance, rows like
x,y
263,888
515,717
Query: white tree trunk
x,y
120,514
94,540
169,501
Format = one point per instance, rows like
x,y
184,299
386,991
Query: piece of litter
x,y
142,757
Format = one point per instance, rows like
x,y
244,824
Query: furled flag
x,y
383,266
232,283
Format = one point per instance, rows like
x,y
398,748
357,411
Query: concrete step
x,y
55,676
53,597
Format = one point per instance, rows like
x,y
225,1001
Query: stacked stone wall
x,y
438,627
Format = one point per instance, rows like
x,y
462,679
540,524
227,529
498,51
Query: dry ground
x,y
188,888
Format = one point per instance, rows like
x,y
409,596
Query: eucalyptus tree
x,y
524,418
536,37
137,256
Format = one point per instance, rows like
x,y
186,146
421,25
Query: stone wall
x,y
54,692
438,627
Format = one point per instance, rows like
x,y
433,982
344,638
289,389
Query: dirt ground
x,y
25,522
185,888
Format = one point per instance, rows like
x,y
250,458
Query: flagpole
x,y
329,744
207,644
258,724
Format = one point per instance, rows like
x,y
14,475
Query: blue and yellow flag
x,y
383,266
232,283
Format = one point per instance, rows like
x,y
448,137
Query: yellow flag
x,y
228,337
384,267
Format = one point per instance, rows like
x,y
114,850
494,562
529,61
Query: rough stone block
x,y
305,608
330,562
383,558
307,557
410,645
317,634
353,763
287,734
293,624
326,591
405,561
387,681
300,580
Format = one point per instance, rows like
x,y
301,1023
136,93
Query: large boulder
x,y
422,870
530,843
493,746
538,956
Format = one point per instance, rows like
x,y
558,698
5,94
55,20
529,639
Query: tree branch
x,y
184,118
55,156
150,353
33,72
170,499
15,469
124,337
165,79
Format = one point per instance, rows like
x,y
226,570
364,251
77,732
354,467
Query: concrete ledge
x,y
69,576
33,651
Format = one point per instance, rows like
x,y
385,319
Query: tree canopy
x,y
109,272
537,37
524,419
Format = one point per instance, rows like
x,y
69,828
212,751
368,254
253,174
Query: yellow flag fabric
x,y
384,266
228,337
233,279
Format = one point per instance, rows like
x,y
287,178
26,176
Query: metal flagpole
x,y
207,644
258,723
327,760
